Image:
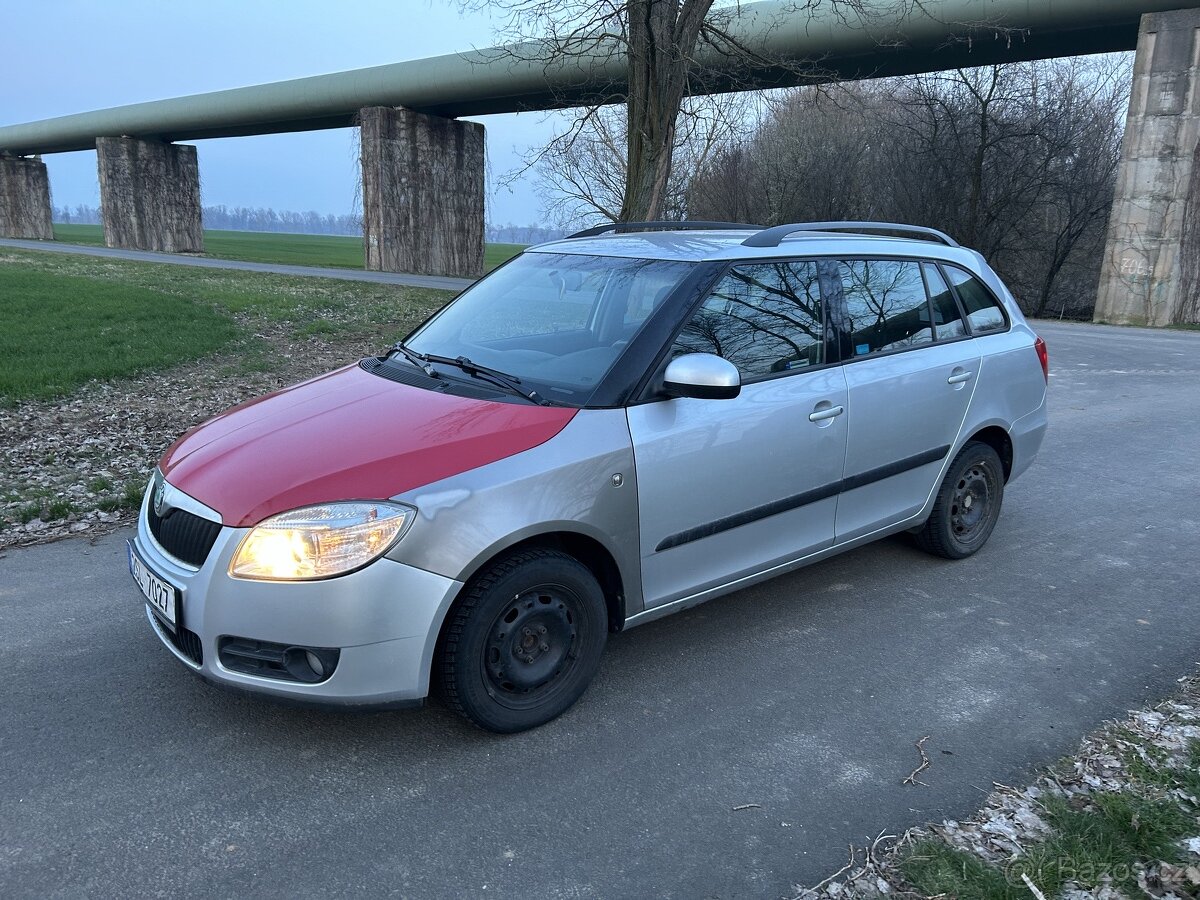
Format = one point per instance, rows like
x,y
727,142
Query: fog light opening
x,y
315,663
285,662
309,665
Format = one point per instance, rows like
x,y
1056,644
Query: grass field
x,y
293,249
63,330
68,320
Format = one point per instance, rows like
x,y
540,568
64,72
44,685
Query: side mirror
x,y
704,376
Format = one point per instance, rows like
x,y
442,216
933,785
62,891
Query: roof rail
x,y
771,237
624,227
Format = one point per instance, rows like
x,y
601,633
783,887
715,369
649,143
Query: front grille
x,y
186,642
185,536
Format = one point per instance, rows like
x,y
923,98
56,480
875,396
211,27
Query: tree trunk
x,y
662,38
975,201
1058,259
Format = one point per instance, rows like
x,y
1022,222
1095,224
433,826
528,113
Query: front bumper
x,y
384,619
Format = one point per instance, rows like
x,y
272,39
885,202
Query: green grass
x,y
91,235
1103,841
58,509
1088,847
494,254
50,509
60,331
66,320
293,249
1155,775
129,498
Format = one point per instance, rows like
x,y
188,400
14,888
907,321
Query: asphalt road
x,y
122,775
205,262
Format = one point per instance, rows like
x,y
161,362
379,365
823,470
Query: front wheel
x,y
524,642
967,505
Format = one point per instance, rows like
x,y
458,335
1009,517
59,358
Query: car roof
x,y
727,245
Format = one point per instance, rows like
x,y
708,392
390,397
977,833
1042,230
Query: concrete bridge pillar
x,y
423,193
25,199
149,195
1151,268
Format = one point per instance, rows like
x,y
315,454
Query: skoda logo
x,y
158,498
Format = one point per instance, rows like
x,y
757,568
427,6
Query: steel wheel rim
x,y
532,646
971,504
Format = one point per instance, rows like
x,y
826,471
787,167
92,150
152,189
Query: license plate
x,y
161,596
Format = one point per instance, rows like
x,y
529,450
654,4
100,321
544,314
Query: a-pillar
x,y
1151,268
25,199
423,193
149,195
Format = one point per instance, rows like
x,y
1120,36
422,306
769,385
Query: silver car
x,y
606,430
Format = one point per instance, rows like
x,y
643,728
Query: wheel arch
x,y
996,437
589,549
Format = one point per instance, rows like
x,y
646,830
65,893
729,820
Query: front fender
x,y
567,484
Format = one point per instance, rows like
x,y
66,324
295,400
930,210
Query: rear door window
x,y
886,305
984,312
766,319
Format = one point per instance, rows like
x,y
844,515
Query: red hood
x,y
346,435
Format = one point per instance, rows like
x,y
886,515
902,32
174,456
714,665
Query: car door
x,y
910,373
728,488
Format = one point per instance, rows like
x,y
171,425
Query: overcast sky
x,y
76,56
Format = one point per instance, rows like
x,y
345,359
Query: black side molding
x,y
862,479
787,504
774,508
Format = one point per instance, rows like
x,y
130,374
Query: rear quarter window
x,y
984,312
947,320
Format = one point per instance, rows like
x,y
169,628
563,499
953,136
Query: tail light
x,y
1043,357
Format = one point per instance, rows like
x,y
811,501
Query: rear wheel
x,y
524,642
967,505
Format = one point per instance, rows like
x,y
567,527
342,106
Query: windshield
x,y
557,322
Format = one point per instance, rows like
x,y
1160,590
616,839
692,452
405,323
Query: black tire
x,y
524,641
967,505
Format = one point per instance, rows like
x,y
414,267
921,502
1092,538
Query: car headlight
x,y
319,541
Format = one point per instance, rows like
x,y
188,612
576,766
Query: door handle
x,y
959,377
822,414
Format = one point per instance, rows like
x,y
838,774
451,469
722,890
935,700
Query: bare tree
x,y
582,175
665,45
1018,161
1083,150
661,38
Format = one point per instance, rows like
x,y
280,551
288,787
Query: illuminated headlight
x,y
319,541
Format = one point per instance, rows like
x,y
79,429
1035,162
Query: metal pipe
x,y
892,38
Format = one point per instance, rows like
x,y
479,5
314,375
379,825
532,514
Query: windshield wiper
x,y
420,360
495,376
